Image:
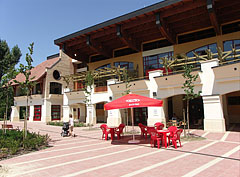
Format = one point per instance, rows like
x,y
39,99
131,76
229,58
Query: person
x,y
174,117
71,123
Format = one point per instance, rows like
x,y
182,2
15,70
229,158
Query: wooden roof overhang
x,y
163,20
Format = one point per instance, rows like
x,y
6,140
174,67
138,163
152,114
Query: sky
x,y
42,21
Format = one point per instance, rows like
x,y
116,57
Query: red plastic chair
x,y
119,130
158,126
154,138
172,130
176,137
105,131
143,130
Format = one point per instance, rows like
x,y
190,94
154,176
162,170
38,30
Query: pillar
x,y
213,114
31,113
114,117
91,115
46,111
15,113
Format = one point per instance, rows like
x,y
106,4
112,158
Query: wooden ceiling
x,y
165,20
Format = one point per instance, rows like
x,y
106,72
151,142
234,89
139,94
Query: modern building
x,y
152,44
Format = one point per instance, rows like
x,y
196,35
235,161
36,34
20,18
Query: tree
x,y
28,84
188,87
8,58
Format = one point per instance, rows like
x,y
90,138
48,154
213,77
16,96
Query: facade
x,y
140,42
46,100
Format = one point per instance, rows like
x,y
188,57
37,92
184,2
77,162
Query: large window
x,y
228,45
56,112
154,62
104,66
55,88
124,64
202,50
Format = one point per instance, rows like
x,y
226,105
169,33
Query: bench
x,y
8,126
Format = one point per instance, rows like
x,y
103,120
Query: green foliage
x,y
8,58
88,86
12,142
126,80
28,83
188,85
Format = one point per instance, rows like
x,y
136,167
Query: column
x,y
46,111
31,113
91,115
213,114
15,113
114,117
155,114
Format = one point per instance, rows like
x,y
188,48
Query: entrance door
x,y
140,116
37,113
22,112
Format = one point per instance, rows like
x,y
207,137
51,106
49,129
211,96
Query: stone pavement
x,y
89,155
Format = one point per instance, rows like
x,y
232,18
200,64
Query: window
x,y
38,89
104,66
201,50
56,112
156,45
55,88
196,36
228,45
56,75
122,52
124,64
37,113
154,61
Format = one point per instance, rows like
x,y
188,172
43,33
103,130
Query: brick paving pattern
x,y
89,155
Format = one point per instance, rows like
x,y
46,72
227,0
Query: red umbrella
x,y
133,101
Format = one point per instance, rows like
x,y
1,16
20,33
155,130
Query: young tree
x,y
188,87
28,83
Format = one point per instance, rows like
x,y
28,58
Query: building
x,y
141,41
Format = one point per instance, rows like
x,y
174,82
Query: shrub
x,y
76,124
12,142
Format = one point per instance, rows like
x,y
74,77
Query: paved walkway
x,y
88,155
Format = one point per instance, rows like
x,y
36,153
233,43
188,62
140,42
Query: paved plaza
x,y
89,155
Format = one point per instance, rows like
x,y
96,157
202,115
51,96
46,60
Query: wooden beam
x,y
165,30
98,48
127,39
213,16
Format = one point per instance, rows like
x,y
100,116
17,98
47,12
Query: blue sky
x,y
43,21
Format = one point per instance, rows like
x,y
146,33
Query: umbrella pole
x,y
133,140
133,124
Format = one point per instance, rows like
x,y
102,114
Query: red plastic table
x,y
164,133
112,129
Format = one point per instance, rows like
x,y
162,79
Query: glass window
x,y
124,64
154,61
104,66
202,50
56,112
228,45
55,88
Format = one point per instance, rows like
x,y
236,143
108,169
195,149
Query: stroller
x,y
65,129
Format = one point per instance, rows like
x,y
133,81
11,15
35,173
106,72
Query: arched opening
x,y
101,114
177,105
231,110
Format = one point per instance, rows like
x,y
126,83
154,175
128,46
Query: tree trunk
x,y
184,121
5,117
25,119
188,115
